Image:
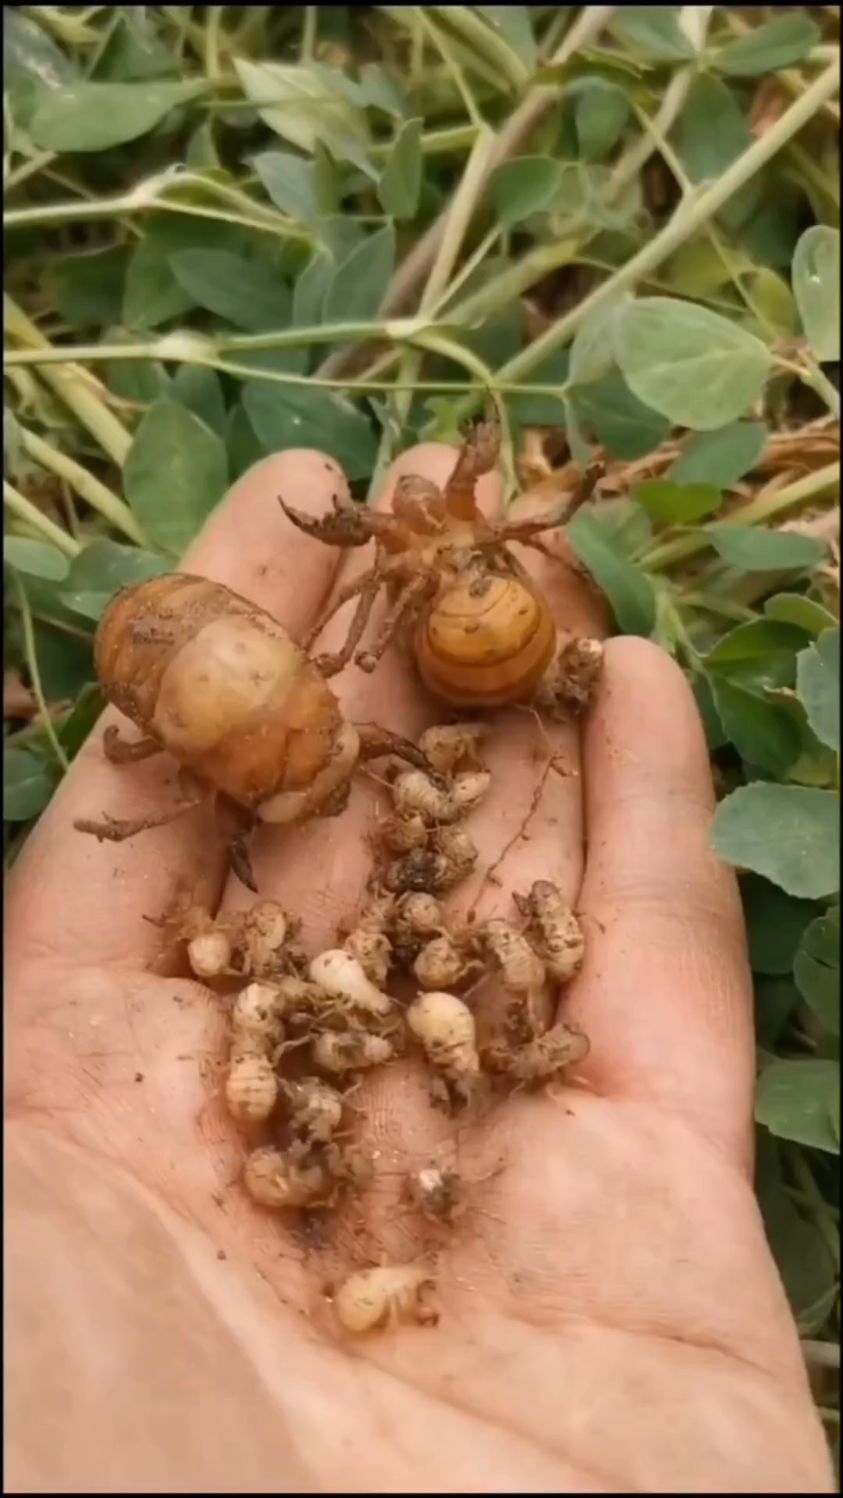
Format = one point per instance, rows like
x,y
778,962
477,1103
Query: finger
x,y
534,829
78,898
319,870
665,993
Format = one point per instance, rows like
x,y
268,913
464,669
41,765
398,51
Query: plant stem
x,y
150,194
212,42
75,386
95,493
26,511
762,508
481,36
534,106
31,657
690,216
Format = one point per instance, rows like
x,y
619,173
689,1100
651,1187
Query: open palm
x,y
611,1317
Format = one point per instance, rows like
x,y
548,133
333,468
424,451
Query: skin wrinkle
x,y
608,1207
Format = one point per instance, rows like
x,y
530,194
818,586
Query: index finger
x,y
80,900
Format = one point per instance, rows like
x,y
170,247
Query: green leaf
x,y
152,295
773,314
800,1248
628,590
816,970
311,289
512,22
543,410
758,639
27,785
134,51
308,106
292,183
88,289
755,550
694,367
721,457
623,424
591,351
523,186
310,417
73,732
652,30
64,661
816,287
704,697
818,685
787,833
677,504
176,473
29,49
777,44
763,735
800,1100
97,116
794,608
360,282
775,924
601,113
102,568
400,181
140,381
624,524
712,133
200,390
242,445
36,558
244,292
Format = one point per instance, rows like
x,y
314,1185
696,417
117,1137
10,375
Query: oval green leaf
x,y
755,550
245,292
35,558
302,416
628,589
816,287
762,733
101,569
360,282
27,785
787,833
776,44
677,504
800,1100
400,181
818,685
176,473
696,368
721,457
96,116
524,186
805,613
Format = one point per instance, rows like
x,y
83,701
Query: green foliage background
x,y
621,226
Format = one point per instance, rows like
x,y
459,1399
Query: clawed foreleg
x,y
410,599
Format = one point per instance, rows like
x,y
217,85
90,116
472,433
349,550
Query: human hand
x,y
611,1317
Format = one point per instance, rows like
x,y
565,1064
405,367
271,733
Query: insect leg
x,y
122,751
113,830
478,455
412,595
376,742
351,590
367,587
